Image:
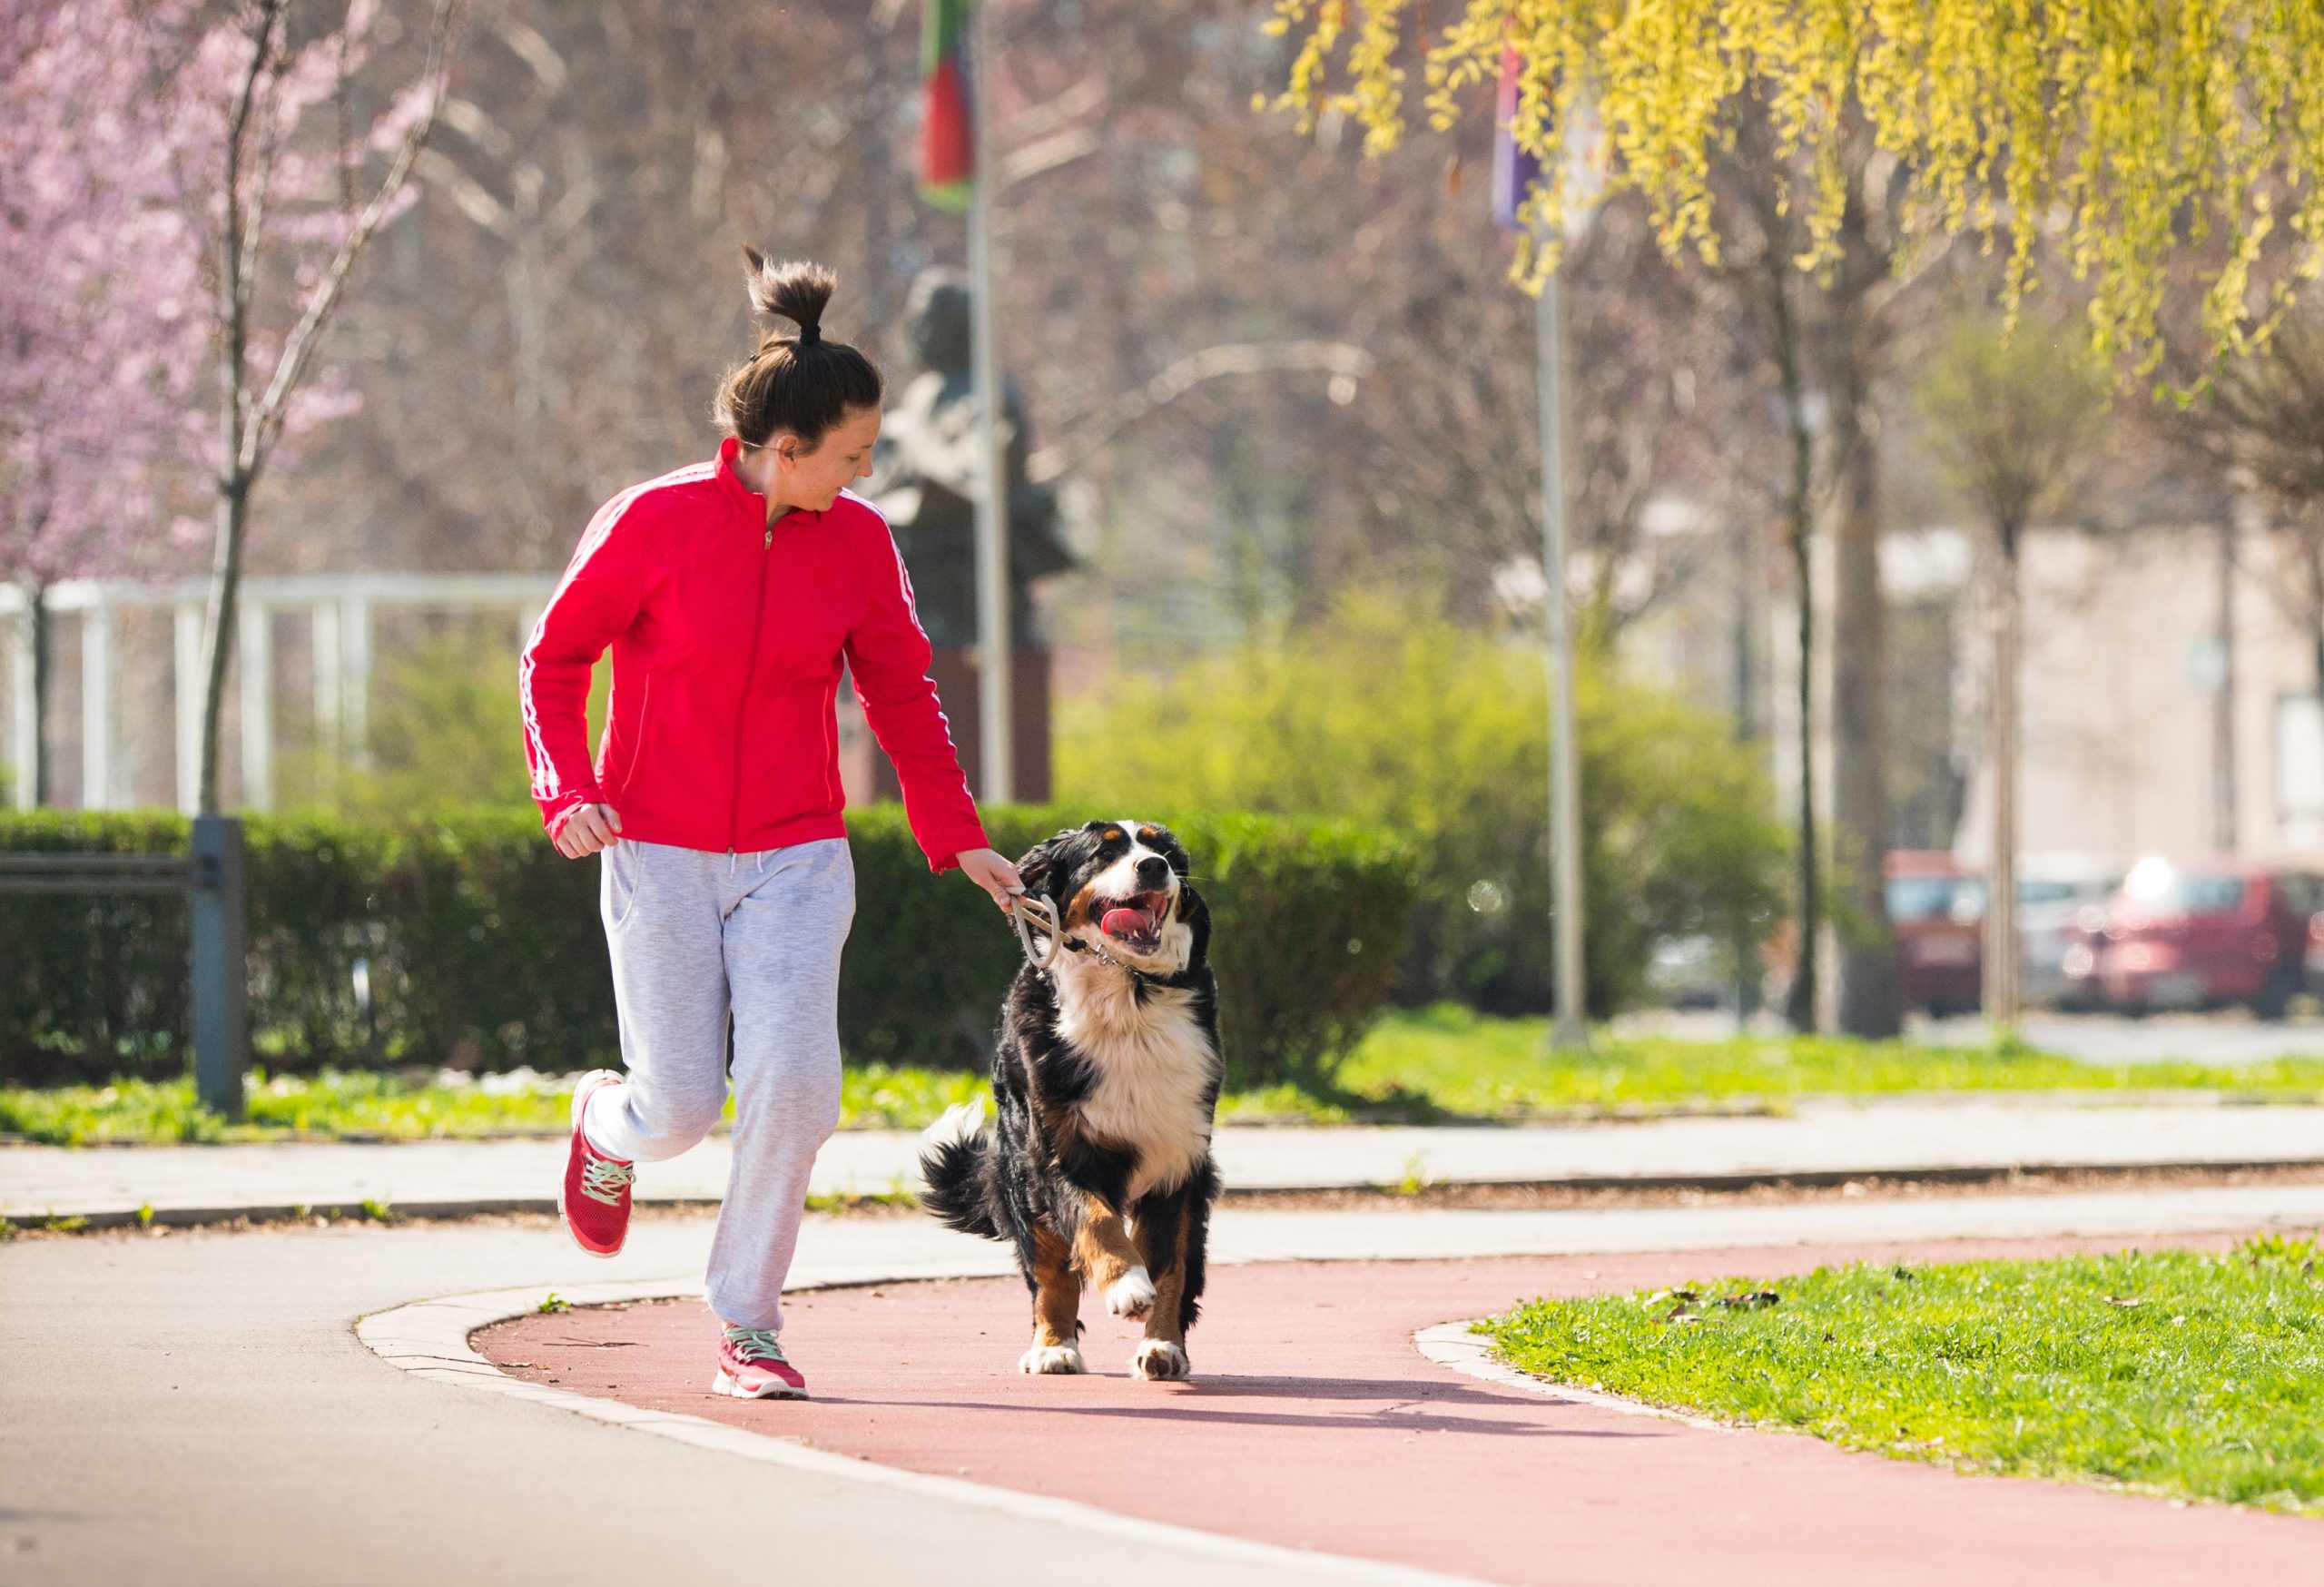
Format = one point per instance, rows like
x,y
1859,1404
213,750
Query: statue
x,y
926,477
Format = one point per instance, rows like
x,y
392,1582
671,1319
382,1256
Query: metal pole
x,y
187,687
221,964
1571,1029
355,680
994,738
254,654
96,706
2223,826
24,717
2000,988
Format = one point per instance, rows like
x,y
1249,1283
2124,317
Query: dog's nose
x,y
1153,871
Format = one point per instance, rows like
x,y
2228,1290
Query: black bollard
x,y
221,964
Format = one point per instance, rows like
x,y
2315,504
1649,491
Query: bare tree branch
x,y
298,348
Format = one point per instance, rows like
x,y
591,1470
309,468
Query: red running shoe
x,y
751,1366
594,1200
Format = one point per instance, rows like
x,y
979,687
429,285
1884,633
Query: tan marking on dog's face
x,y
1113,833
1077,911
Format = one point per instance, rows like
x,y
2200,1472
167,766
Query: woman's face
x,y
813,479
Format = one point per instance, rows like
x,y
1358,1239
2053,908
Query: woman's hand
x,y
989,870
586,829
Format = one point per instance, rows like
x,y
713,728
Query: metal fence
x,y
211,878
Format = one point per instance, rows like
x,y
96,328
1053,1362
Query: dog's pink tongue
x,y
1123,923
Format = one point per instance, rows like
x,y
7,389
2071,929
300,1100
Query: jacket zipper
x,y
743,698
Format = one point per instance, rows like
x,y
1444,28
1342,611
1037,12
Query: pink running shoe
x,y
594,1200
751,1366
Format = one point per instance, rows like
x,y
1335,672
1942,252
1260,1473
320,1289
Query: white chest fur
x,y
1153,1064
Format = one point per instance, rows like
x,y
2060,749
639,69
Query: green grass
x,y
385,1107
1414,1066
331,1106
1449,1060
2191,1375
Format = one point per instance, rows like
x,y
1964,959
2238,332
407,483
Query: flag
x,y
948,159
1587,167
1514,170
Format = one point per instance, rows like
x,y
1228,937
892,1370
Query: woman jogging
x,y
731,593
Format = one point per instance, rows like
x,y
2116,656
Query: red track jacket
x,y
727,638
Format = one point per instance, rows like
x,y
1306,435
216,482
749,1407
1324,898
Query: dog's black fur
x,y
1106,1075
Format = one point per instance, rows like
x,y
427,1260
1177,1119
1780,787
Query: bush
x,y
445,731
1387,714
1307,919
484,950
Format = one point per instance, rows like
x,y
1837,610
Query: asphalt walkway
x,y
1818,1140
1314,1423
195,1407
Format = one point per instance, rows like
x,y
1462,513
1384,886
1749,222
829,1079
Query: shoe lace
x,y
604,1178
757,1344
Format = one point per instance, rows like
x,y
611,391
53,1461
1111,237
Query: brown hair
x,y
799,384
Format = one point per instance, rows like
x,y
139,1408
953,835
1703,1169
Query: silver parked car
x,y
2056,895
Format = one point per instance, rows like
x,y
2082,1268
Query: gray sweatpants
x,y
697,937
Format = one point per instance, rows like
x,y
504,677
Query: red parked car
x,y
2204,935
1937,910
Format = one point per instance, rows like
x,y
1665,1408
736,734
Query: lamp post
x,y
1570,1028
1515,175
995,697
956,173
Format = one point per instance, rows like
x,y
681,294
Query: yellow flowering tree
x,y
1811,155
2129,135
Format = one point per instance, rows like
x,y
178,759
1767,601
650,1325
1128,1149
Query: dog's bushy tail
x,y
954,1153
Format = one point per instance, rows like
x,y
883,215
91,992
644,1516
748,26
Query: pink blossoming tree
x,y
171,197
101,302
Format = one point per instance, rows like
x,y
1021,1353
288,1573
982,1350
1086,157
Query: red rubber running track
x,y
1312,1421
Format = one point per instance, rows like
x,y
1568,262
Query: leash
x,y
1035,917
1042,916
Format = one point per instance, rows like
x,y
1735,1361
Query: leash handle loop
x,y
1030,914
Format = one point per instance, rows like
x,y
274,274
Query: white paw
x,y
1131,1295
1159,1358
1051,1358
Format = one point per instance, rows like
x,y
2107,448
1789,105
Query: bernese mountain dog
x,y
1105,1076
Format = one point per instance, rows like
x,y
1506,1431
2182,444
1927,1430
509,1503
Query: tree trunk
x,y
2223,826
1871,991
38,775
2001,971
1800,1008
2314,545
1750,989
225,585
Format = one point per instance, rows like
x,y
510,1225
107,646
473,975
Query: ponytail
x,y
798,384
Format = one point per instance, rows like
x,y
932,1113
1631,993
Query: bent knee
x,y
669,1126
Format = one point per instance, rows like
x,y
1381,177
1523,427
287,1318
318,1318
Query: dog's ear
x,y
1194,912
1040,868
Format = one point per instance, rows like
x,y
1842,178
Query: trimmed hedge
x,y
484,950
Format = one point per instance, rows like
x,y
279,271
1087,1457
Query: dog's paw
x,y
1052,1359
1159,1358
1131,1295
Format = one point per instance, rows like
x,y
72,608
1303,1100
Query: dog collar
x,y
1103,957
1033,914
